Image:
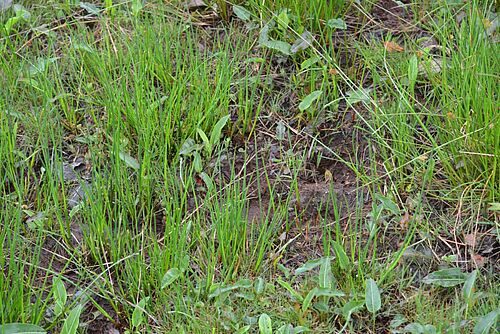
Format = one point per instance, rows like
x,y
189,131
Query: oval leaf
x,y
217,130
446,277
129,160
308,266
485,323
308,300
468,288
60,296
137,315
243,329
72,321
18,328
265,324
259,285
280,46
309,99
303,42
242,13
170,277
337,24
342,258
286,329
329,293
351,307
325,274
372,296
289,288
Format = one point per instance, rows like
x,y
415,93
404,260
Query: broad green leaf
x,y
309,99
138,314
286,329
308,299
309,62
90,8
413,71
284,270
11,22
60,296
206,141
207,180
216,133
21,11
129,160
329,293
280,46
303,42
372,296
308,266
351,307
170,276
137,6
417,328
259,285
289,288
241,284
280,130
245,295
325,277
188,147
388,204
197,162
445,277
40,66
358,95
341,256
336,24
484,324
468,287
265,324
242,13
397,321
264,32
184,263
283,19
300,329
18,328
72,321
243,329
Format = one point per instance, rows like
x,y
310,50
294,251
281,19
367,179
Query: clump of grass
x,y
161,241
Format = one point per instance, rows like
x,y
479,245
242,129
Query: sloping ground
x,y
189,168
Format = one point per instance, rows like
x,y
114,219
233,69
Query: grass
x,y
165,173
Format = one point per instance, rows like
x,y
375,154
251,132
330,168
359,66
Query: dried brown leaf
x,y
393,47
479,260
403,223
470,240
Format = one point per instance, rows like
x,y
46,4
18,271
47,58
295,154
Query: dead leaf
x,y
328,176
403,223
470,240
393,47
479,260
333,71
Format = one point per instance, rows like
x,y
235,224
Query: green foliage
x,y
184,219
